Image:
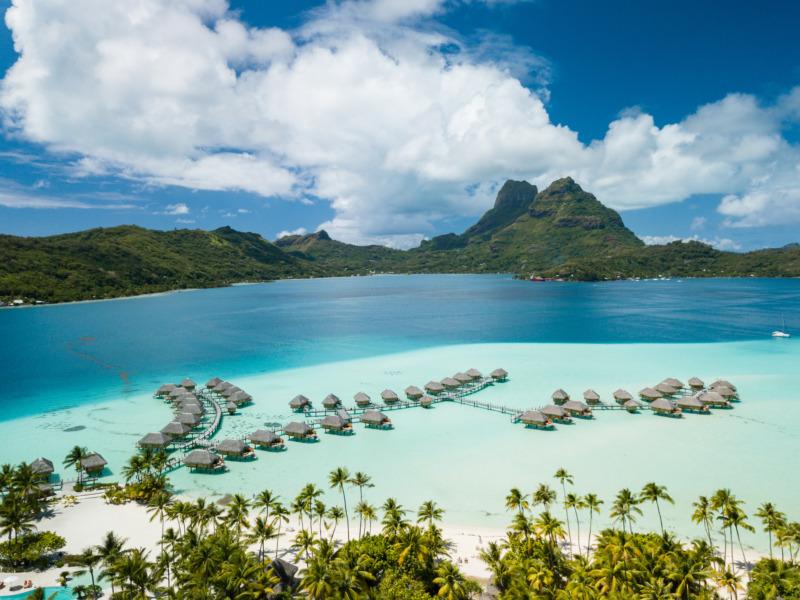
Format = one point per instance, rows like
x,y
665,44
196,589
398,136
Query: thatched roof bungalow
x,y
632,405
234,448
176,429
204,460
335,424
165,390
155,440
559,396
591,397
389,397
649,394
713,399
43,467
434,387
722,383
331,402
240,397
230,391
462,378
362,399
696,383
213,382
426,402
222,386
622,396
691,404
676,383
188,384
376,419
266,439
556,413
450,383
188,419
577,409
300,403
344,415
499,374
93,464
725,392
666,389
662,406
192,409
297,430
475,374
536,418
414,393
231,406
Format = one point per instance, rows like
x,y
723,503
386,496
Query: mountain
x,y
127,260
338,258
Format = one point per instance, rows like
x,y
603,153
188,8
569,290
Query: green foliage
x,y
399,586
771,579
31,549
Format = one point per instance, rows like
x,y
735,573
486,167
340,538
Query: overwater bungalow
x,y
713,399
231,407
233,448
474,374
536,418
43,467
631,405
591,397
577,409
389,397
676,383
434,387
649,394
725,392
622,396
155,440
499,374
204,460
297,430
696,383
450,383
462,378
362,399
556,413
335,424
722,383
230,391
188,419
176,429
193,409
691,404
414,393
268,440
300,403
376,420
662,406
93,464
559,396
240,397
188,384
222,386
213,382
666,389
344,415
165,390
331,402
426,402
177,392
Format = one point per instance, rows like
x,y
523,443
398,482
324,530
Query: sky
x,y
391,121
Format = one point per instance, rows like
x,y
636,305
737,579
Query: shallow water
x,y
372,333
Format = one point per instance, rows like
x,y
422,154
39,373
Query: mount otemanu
x,y
561,232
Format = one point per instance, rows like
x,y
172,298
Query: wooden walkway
x,y
203,439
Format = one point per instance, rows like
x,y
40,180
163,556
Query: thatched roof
x,y
201,458
284,570
414,392
534,417
560,396
389,396
232,446
299,401
650,394
591,396
240,397
231,406
691,403
449,382
298,428
188,384
676,383
193,409
712,398
426,401
93,462
230,391
551,410
724,391
666,389
165,390
176,429
462,377
262,436
155,440
696,382
499,374
331,401
42,466
222,385
333,422
362,399
662,405
434,387
188,419
722,383
178,391
213,382
622,395
576,406
344,415
632,404
374,417
474,373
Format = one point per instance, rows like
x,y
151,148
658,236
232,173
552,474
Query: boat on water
x,y
781,333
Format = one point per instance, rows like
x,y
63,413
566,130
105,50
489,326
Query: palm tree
x,y
89,558
338,478
264,501
772,520
550,528
15,516
625,508
158,507
280,516
592,503
74,458
238,513
544,495
652,492
109,550
451,582
304,541
335,514
575,502
564,477
320,510
516,500
318,579
429,513
729,581
262,532
703,513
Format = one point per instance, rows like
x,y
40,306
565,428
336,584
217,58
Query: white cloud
x,y
717,242
298,231
17,200
176,209
370,105
698,223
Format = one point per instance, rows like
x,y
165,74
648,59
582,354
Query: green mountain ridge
x,y
561,232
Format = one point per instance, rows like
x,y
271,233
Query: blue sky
x,y
387,121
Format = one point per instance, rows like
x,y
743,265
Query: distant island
x,y
561,232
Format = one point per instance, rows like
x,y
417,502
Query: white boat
x,y
781,333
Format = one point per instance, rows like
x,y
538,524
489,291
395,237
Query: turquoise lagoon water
x,y
60,594
84,373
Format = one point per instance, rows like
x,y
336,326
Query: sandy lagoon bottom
x,y
467,459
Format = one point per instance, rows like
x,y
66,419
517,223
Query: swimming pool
x,y
61,593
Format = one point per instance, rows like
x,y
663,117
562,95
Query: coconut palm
x,y
517,501
703,513
262,532
303,542
772,520
335,514
729,581
340,477
15,516
565,478
74,458
280,515
625,508
592,503
544,495
575,502
368,513
652,492
264,501
429,513
89,559
451,582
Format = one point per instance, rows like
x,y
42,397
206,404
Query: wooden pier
x,y
203,439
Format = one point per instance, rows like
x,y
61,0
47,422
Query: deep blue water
x,y
54,356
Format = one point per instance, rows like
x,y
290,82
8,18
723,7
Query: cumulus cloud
x,y
17,200
717,242
176,209
298,231
369,105
698,223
